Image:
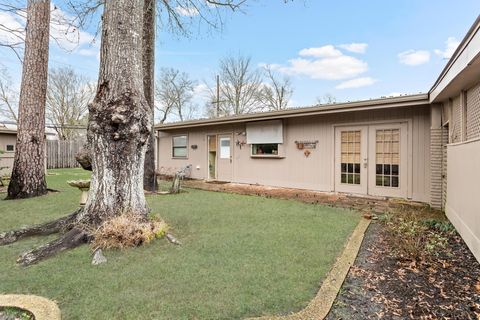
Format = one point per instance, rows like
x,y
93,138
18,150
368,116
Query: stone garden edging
x,y
319,307
41,308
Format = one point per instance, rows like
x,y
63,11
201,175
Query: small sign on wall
x,y
306,144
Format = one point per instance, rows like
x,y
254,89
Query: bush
x,y
415,239
128,230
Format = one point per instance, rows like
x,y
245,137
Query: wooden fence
x,y
61,153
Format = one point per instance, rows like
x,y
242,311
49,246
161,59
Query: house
x,y
8,140
423,147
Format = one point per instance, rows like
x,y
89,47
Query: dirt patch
x,y
375,205
380,286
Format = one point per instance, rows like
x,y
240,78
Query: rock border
x,y
320,305
41,308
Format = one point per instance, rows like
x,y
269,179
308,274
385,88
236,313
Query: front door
x,y
351,159
388,157
224,153
372,160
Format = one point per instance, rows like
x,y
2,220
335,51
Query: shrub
x,y
128,230
415,239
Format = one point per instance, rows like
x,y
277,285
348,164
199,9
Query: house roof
x,y
372,104
10,128
462,69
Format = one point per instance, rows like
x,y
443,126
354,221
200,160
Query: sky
x,y
352,50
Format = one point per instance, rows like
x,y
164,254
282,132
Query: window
x,y
350,154
387,165
265,149
179,146
224,148
10,148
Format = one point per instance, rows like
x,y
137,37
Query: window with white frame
x,y
179,146
265,149
265,137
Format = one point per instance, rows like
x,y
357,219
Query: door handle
x,y
365,163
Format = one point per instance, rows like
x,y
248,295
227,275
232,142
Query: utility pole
x,y
218,95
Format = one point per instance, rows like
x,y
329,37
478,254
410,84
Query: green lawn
x,y
241,256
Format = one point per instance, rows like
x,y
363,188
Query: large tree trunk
x,y
28,174
149,181
119,117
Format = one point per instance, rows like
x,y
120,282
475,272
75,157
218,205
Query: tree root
x,y
39,230
74,234
69,240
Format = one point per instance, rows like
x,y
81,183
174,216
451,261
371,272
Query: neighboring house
x,y
8,140
392,147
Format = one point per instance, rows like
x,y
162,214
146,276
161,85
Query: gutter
x,y
396,102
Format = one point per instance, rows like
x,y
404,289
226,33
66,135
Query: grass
x,y
241,256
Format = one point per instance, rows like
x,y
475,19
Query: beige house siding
x,y
473,112
463,206
6,159
457,119
436,160
314,172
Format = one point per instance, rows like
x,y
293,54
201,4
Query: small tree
x,y
174,93
276,93
68,94
240,87
8,97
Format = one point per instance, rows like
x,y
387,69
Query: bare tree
x,y
68,95
8,97
174,93
240,87
327,98
276,92
28,173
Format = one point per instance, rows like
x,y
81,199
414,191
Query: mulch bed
x,y
379,286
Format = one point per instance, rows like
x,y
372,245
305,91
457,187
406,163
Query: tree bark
x,y
149,179
28,173
119,117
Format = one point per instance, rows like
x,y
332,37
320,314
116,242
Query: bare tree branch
x,y
8,97
174,94
68,94
277,92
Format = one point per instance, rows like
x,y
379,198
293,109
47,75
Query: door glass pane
x,y
224,148
350,157
387,167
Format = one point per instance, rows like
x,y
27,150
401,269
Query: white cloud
x,y
327,51
414,57
62,33
450,46
13,28
355,47
187,11
325,62
66,36
356,83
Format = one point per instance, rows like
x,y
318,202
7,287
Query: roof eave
x,y
396,102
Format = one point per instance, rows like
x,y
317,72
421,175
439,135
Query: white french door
x,y
388,160
372,159
351,156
